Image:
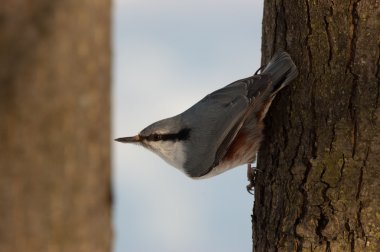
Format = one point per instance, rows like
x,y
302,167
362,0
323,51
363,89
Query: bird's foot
x,y
260,69
251,174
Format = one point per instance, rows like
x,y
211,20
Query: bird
x,y
224,129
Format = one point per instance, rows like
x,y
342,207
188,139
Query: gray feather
x,y
220,115
216,119
281,69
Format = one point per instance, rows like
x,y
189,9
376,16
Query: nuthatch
x,y
224,129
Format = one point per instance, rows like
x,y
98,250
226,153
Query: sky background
x,y
167,55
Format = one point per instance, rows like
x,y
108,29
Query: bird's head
x,y
167,138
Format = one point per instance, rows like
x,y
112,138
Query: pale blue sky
x,y
168,55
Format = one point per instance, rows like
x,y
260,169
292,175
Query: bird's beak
x,y
132,139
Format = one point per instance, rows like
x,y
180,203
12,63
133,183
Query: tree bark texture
x,y
319,189
55,126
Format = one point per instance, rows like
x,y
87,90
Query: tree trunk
x,y
319,189
55,125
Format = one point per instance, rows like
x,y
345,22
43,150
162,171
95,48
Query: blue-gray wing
x,y
215,121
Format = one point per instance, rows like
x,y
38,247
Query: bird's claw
x,y
260,69
251,174
250,188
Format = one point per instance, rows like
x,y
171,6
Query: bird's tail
x,y
281,69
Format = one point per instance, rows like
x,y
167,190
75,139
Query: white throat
x,y
172,152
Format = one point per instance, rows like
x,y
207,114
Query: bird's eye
x,y
157,137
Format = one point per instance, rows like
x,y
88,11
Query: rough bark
x,y
55,126
319,189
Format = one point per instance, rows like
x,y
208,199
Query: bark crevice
x,y
354,18
310,32
377,74
329,39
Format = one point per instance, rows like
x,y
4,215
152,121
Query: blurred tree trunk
x,y
55,126
320,185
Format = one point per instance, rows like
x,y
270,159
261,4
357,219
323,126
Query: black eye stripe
x,y
154,137
180,136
